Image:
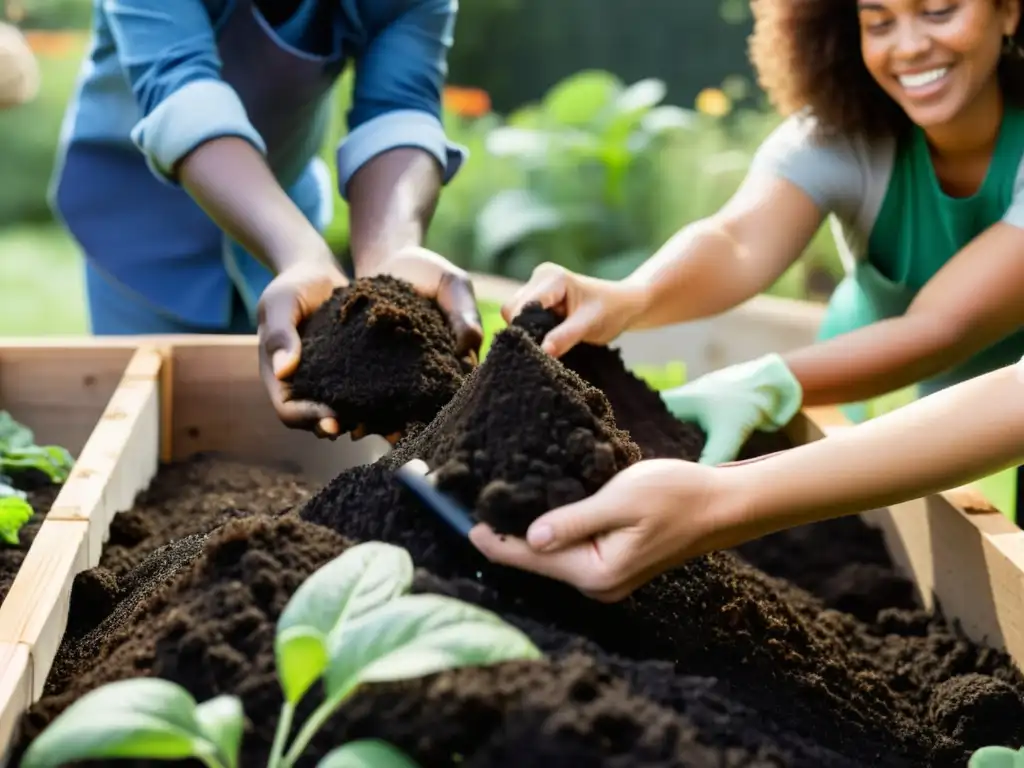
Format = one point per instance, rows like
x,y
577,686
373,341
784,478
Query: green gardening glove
x,y
731,403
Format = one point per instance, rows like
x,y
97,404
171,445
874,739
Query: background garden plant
x,y
20,455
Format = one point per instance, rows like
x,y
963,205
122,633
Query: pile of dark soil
x,y
41,497
344,366
211,629
638,409
195,496
713,664
862,582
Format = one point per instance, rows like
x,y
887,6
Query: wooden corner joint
x,y
146,363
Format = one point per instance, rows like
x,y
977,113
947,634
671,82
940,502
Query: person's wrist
x,y
312,252
731,517
636,301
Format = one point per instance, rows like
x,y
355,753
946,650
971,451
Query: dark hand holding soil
x,y
380,356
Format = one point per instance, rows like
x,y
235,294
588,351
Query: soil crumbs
x,y
715,664
344,365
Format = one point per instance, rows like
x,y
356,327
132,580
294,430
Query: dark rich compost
x,y
718,663
344,365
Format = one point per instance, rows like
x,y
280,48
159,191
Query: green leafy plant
x,y
349,624
19,453
14,513
588,153
997,757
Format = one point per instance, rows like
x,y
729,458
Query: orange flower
x,y
54,43
467,102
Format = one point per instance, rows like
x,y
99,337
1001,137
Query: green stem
x,y
284,727
320,716
210,761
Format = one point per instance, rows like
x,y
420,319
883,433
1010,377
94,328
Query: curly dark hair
x,y
807,56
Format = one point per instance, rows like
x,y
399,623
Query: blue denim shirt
x,y
151,83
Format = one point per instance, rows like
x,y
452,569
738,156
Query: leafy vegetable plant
x,y
14,513
350,623
19,453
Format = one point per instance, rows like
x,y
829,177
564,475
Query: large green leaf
x,y
14,434
359,580
417,635
222,721
8,491
141,717
14,513
301,660
579,99
668,118
509,218
996,757
367,753
520,143
641,96
52,460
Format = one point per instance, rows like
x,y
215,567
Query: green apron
x,y
919,228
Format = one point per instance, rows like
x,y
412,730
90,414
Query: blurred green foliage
x,y
595,173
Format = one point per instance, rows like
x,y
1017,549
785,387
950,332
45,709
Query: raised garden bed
x,y
816,647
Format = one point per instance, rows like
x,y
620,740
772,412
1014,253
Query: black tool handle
x,y
444,507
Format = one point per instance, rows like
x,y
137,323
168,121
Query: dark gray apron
x,y
153,238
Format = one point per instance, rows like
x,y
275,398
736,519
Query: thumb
x,y
723,445
280,338
572,330
546,288
574,523
457,298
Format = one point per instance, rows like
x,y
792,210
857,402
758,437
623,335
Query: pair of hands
x,y
299,290
607,545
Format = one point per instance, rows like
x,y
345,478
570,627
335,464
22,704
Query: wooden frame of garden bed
x,y
123,405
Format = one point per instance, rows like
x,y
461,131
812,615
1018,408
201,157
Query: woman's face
x,y
934,56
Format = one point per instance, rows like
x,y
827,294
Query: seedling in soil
x,y
350,623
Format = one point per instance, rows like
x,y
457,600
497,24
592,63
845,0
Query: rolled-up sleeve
x,y
399,83
169,55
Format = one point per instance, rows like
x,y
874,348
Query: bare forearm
x,y
231,181
391,199
701,271
939,442
880,358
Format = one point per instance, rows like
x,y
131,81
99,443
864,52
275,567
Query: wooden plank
x,y
220,404
35,611
60,389
121,456
964,557
15,693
